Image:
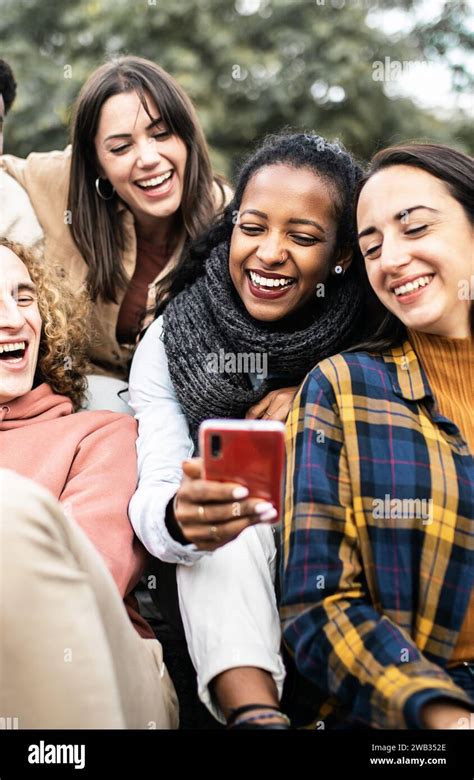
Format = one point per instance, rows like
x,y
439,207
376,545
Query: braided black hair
x,y
328,160
7,85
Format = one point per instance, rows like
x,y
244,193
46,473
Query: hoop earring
x,y
97,187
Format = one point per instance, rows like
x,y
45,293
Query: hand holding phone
x,y
248,452
212,512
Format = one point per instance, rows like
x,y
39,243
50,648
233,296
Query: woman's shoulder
x,y
354,373
18,220
104,425
149,360
45,177
154,331
39,167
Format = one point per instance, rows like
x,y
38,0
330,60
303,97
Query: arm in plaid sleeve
x,y
337,637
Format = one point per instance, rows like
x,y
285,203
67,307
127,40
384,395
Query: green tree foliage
x,y
251,66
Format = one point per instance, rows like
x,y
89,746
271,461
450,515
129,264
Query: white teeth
x,y
263,281
12,347
155,181
422,281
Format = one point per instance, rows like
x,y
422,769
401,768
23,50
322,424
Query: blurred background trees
x,y
251,66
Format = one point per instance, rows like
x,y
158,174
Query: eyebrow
x,y
16,289
129,135
290,221
28,286
399,215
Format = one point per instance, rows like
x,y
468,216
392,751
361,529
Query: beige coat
x,y
17,219
45,177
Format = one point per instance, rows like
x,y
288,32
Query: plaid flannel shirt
x,y
378,539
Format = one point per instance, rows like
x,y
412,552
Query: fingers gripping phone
x,y
249,452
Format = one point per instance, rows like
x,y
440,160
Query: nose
x,y
271,250
394,255
148,154
11,316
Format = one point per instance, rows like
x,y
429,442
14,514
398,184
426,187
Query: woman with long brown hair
x,y
378,542
119,206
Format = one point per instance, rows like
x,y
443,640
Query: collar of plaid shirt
x,y
409,381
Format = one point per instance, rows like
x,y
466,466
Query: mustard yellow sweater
x,y
449,366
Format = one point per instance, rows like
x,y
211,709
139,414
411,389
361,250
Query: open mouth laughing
x,y
13,352
156,184
269,285
411,286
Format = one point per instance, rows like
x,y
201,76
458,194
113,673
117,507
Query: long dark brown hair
x,y
450,166
96,227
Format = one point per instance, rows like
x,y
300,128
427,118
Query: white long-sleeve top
x,y
163,443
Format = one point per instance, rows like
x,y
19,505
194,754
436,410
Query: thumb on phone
x,y
193,468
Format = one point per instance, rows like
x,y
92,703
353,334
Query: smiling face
x,y
284,243
141,158
417,243
20,327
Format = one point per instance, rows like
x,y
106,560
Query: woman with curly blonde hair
x,y
70,655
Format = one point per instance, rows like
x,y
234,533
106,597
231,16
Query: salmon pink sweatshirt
x,y
88,462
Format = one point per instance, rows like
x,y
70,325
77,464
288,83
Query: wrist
x,y
443,714
174,528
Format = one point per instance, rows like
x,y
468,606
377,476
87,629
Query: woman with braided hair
x,y
271,278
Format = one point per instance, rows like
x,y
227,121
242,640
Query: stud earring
x,y
338,269
99,193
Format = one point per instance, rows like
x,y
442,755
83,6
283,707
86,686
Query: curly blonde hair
x,y
64,341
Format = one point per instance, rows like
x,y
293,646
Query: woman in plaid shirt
x,y
378,538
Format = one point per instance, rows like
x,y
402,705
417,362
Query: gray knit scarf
x,y
207,324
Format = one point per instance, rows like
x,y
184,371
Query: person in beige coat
x,y
119,206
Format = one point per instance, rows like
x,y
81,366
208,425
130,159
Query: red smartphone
x,y
249,452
